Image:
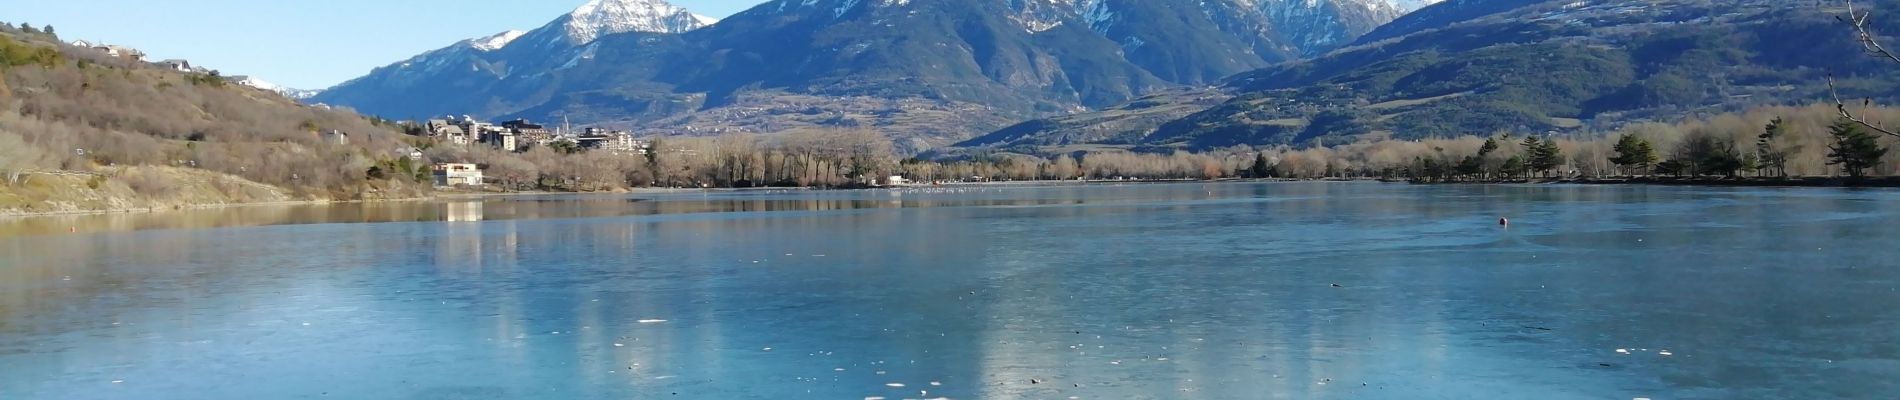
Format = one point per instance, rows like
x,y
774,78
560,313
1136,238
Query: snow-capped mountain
x,y
582,26
650,64
298,94
470,64
606,17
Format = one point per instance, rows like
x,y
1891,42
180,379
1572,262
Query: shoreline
x,y
7,215
196,207
1789,182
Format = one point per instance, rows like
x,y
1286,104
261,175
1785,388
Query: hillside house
x,y
121,51
337,137
458,174
176,65
456,135
450,131
436,127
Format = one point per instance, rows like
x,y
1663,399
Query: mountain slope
x,y
421,86
82,130
1442,15
928,73
1535,68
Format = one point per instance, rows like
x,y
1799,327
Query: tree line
x,y
1783,141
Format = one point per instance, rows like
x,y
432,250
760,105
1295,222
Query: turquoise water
x,y
1219,291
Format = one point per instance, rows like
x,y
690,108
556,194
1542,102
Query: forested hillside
x,y
1554,66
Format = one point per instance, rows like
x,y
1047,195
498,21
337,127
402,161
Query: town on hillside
x,y
515,135
519,134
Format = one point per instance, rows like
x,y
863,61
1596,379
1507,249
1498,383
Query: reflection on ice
x,y
1159,291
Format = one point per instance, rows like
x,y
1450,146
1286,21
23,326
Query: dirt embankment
x,y
148,188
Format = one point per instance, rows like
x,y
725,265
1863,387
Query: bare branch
x,y
1858,20
1841,106
1866,36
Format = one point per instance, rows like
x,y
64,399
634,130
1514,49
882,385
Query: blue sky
x,y
306,44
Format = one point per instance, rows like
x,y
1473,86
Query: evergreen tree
x,y
1723,161
1671,167
1541,155
653,153
1547,157
1704,153
1471,166
1767,156
1854,149
1484,157
1531,145
1513,166
1634,153
28,28
1260,167
49,31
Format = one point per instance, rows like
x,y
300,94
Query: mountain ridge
x,y
1461,69
830,61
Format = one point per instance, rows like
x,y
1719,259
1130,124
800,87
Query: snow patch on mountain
x,y
844,8
1096,14
586,53
1411,5
1037,16
497,41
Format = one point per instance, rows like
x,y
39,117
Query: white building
x,y
177,65
455,174
337,137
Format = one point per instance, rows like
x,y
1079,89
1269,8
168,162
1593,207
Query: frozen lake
x,y
1218,291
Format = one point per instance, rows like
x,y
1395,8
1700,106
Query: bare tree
x,y
1858,19
16,157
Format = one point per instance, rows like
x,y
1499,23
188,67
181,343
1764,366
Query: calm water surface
x,y
1220,291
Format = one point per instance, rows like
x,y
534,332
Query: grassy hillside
x,y
81,130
